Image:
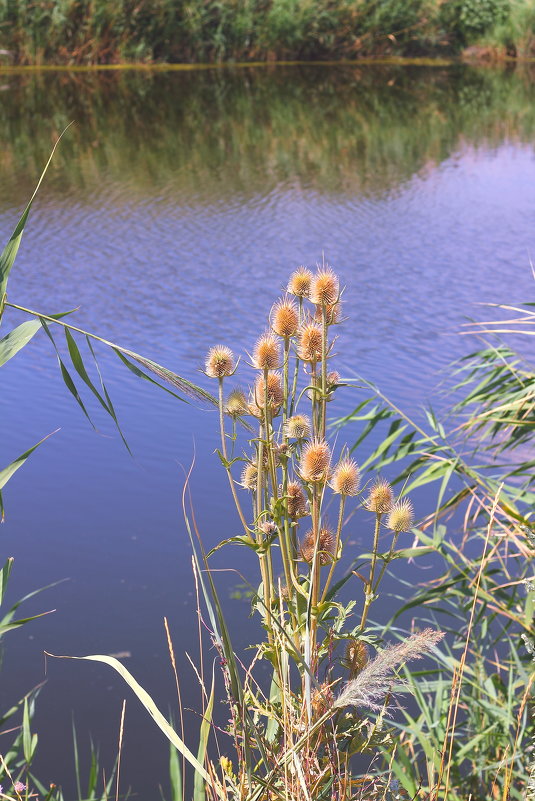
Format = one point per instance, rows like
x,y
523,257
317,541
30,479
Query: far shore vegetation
x,y
83,32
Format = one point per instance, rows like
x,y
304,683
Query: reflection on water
x,y
173,213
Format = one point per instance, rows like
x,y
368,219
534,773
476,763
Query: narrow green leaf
x,y
199,791
12,468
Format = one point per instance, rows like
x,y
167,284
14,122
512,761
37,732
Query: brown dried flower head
x,y
326,546
322,699
219,362
401,516
296,502
236,403
381,497
334,312
298,427
309,342
299,283
357,656
345,479
285,318
315,461
325,287
266,354
275,394
249,476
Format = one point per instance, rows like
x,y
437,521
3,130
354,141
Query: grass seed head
x,y
299,283
285,318
325,287
309,345
401,516
266,355
326,546
345,479
315,461
219,362
381,497
298,427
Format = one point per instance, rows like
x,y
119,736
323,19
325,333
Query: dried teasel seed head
x,y
315,461
325,287
285,318
321,700
326,546
357,656
298,427
236,403
401,516
249,476
334,312
219,362
296,502
381,497
345,479
275,393
299,283
266,354
309,344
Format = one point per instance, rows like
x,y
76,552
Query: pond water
x,y
173,212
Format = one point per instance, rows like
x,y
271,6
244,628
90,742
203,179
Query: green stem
x,y
323,370
224,452
336,546
369,586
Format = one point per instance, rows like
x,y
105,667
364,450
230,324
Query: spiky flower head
x,y
309,344
285,318
315,461
381,497
345,479
333,313
236,403
219,362
325,287
326,546
268,528
266,354
357,656
401,516
321,700
298,427
299,283
275,393
249,476
333,378
296,502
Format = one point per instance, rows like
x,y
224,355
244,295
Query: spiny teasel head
x,y
309,343
325,287
333,378
296,502
380,498
401,516
357,656
345,479
285,318
236,403
333,313
268,528
297,427
326,546
321,700
249,476
299,283
374,682
219,362
275,393
315,461
266,354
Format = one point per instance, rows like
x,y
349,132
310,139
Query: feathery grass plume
x,y
380,498
275,393
370,687
298,427
357,656
249,476
266,354
299,283
326,545
309,344
345,479
296,502
285,318
401,516
219,362
325,287
236,403
315,461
